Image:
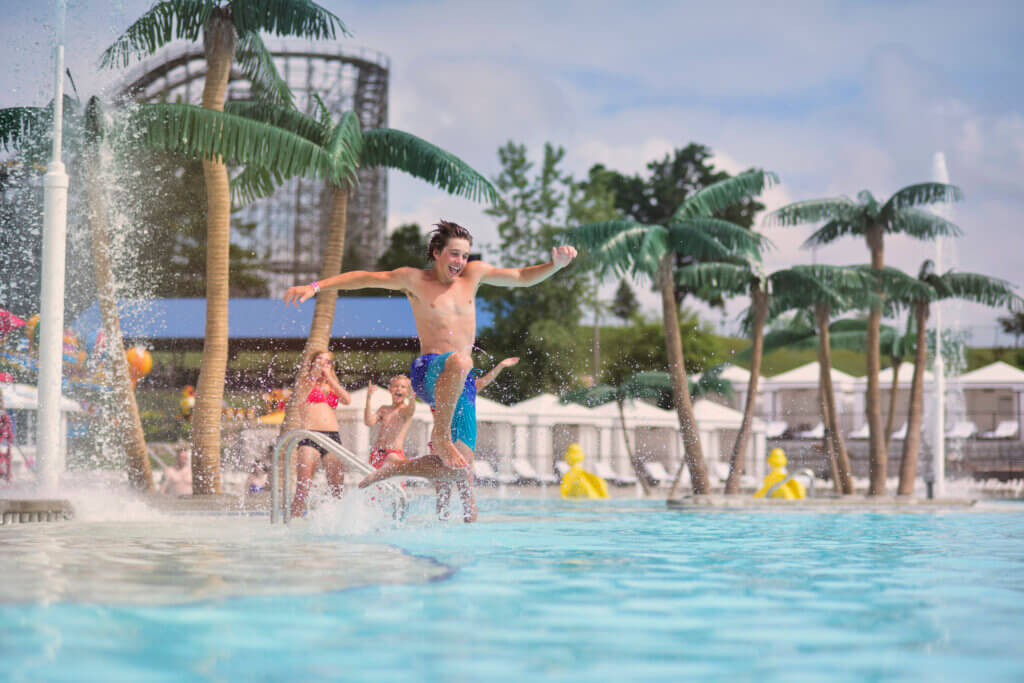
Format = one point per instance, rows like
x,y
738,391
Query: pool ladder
x,y
280,505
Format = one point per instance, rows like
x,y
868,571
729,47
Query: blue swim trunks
x,y
424,373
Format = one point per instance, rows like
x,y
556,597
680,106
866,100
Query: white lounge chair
x,y
720,470
962,430
526,473
818,432
774,429
900,433
484,473
656,472
1007,429
561,469
605,471
863,432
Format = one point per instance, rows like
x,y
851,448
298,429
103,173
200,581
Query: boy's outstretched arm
x,y
530,275
398,278
482,382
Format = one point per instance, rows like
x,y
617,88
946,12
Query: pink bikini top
x,y
317,396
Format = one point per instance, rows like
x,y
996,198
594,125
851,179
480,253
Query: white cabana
x,y
901,407
792,397
21,401
992,395
740,379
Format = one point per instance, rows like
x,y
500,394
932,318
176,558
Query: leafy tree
x,y
539,324
872,220
653,250
407,246
1013,324
625,305
230,31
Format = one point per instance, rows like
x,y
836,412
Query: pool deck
x,y
852,503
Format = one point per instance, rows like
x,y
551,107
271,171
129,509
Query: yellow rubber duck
x,y
778,481
577,482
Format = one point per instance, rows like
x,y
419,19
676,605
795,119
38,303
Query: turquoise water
x,y
537,589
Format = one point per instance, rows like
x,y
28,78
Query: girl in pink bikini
x,y
323,394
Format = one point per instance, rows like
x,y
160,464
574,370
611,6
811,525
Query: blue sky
x,y
833,96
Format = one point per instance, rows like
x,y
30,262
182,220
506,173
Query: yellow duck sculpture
x,y
577,482
778,484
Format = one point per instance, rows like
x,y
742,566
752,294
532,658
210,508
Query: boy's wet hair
x,y
442,233
405,377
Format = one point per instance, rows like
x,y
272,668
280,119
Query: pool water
x,y
603,590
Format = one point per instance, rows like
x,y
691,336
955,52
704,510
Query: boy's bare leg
x,y
465,486
444,500
427,466
335,472
447,390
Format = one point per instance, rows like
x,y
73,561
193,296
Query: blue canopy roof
x,y
363,318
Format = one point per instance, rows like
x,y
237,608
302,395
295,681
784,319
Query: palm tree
x,y
230,31
387,147
824,287
651,250
918,295
24,127
650,385
871,219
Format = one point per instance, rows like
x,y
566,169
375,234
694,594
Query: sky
x,y
834,97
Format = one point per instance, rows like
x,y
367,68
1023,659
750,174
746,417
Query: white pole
x,y
940,174
49,438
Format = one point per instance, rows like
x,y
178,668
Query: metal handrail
x,y
790,477
286,443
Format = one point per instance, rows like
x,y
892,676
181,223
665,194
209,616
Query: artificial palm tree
x,y
230,31
918,295
824,287
651,250
387,147
871,219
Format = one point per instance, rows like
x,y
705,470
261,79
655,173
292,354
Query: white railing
x,y
286,443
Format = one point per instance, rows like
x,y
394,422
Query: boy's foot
x,y
446,450
375,476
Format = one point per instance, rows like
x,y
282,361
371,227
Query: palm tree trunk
x,y
878,456
822,314
633,459
219,45
326,302
911,444
694,456
129,424
597,340
892,398
827,444
759,306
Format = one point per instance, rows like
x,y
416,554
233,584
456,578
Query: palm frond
x,y
703,245
725,193
900,290
833,230
813,211
281,116
254,182
591,397
921,193
743,242
346,145
300,18
921,224
613,245
256,62
204,133
652,384
981,289
727,278
162,23
421,159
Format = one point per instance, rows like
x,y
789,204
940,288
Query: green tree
x,y
872,220
625,304
407,246
1013,324
538,324
230,31
653,250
